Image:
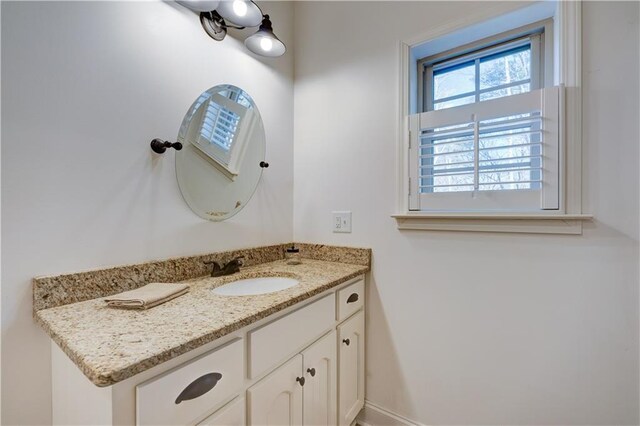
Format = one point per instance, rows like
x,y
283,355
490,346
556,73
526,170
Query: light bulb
x,y
240,8
266,44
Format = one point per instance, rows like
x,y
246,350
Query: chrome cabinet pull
x,y
353,298
199,387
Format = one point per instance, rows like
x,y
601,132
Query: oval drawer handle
x,y
300,380
199,387
346,341
353,298
311,371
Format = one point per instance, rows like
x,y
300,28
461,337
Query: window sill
x,y
493,222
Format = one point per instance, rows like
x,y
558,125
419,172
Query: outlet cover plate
x,y
342,222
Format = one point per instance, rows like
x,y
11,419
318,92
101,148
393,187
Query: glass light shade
x,y
265,43
200,5
240,12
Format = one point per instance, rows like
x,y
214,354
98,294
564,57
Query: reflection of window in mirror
x,y
226,124
219,126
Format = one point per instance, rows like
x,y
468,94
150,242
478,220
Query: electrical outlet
x,y
342,222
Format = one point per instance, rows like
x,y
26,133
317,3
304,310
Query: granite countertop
x,y
110,345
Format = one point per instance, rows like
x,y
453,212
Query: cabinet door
x,y
350,368
231,414
277,399
320,388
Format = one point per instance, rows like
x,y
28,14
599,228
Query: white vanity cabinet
x,y
294,367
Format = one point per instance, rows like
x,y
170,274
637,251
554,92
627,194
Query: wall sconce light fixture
x,y
217,16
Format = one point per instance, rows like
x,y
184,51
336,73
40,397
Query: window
x,y
503,70
490,139
503,65
510,148
487,128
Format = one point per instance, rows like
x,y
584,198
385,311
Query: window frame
x,y
566,54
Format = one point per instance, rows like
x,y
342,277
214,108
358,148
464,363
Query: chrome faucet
x,y
229,268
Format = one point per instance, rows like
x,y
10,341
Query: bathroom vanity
x,y
294,356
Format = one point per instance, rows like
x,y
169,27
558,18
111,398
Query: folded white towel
x,y
148,296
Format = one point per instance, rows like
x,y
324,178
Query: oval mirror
x,y
223,140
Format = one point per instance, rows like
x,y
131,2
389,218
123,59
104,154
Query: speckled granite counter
x,y
110,345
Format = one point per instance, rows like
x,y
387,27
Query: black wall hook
x,y
159,146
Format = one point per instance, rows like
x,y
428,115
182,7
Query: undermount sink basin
x,y
253,286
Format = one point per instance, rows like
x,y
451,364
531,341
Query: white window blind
x,y
496,155
219,126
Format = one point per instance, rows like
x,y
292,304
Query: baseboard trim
x,y
374,415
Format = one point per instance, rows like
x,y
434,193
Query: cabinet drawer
x,y
350,299
274,342
184,394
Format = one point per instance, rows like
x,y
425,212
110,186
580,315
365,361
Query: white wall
x,y
85,87
471,328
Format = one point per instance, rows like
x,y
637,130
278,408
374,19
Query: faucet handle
x,y
216,265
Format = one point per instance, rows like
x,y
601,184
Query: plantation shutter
x,y
496,155
219,126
